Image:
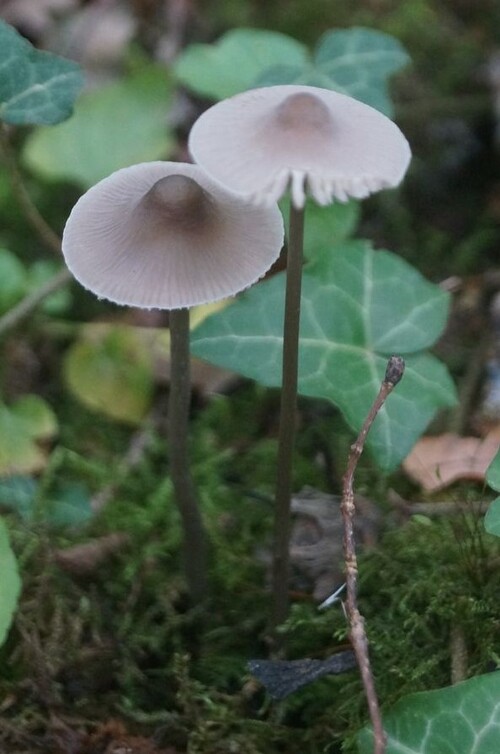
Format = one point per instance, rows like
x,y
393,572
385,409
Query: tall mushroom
x,y
164,235
313,141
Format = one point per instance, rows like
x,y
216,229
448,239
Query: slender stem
x,y
394,372
11,318
195,543
31,213
288,412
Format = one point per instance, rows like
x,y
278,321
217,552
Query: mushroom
x,y
315,140
260,143
165,235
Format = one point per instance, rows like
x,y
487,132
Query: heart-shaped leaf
x,y
10,583
460,719
113,127
109,369
237,60
358,307
326,226
35,86
356,62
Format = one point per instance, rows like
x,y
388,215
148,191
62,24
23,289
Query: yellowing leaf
x,y
110,370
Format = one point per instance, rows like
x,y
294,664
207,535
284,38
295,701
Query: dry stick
x,y
195,544
394,372
44,231
288,412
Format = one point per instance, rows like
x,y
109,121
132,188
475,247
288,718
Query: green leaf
x,y
10,583
356,62
36,416
41,272
70,506
460,719
109,369
358,307
236,61
24,423
35,86
326,226
493,473
113,127
13,279
492,518
17,493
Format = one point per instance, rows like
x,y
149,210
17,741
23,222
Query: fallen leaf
x,y
437,462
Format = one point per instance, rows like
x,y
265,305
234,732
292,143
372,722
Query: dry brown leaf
x,y
437,462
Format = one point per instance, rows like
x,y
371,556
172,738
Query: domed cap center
x,y
179,201
303,111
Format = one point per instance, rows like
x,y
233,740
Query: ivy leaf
x,y
109,370
492,517
35,87
10,583
358,307
326,226
462,718
236,61
356,62
113,127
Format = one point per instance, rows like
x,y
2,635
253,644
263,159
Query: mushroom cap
x,y
164,235
316,140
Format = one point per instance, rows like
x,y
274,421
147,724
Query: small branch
x,y
195,542
288,410
33,216
32,300
394,372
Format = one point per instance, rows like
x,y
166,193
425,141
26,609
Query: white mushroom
x,y
165,235
314,140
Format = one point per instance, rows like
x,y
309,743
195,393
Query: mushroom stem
x,y
288,410
195,543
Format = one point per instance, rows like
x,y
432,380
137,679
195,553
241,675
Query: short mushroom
x,y
165,235
313,141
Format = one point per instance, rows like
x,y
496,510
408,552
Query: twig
x,y
32,300
33,216
394,372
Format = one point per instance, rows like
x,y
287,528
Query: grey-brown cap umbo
x,y
165,235
312,140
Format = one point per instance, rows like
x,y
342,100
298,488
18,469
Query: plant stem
x,y
30,211
394,372
288,410
195,543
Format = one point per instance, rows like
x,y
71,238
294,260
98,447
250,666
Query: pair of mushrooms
x,y
172,235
